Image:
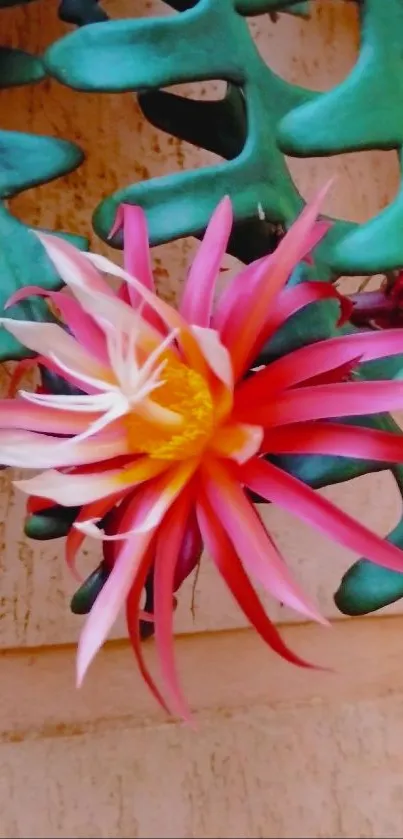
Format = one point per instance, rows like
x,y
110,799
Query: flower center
x,y
186,393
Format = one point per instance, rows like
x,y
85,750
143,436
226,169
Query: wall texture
x,y
277,752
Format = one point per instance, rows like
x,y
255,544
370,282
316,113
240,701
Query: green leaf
x,y
52,523
367,587
27,161
18,67
84,598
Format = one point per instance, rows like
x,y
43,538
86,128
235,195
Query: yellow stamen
x,y
184,393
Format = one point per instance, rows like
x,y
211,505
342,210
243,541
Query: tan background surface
x,y
278,752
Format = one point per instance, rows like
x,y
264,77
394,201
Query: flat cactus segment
x,y
149,53
374,247
18,67
32,160
23,262
257,7
217,126
26,161
81,12
366,587
363,112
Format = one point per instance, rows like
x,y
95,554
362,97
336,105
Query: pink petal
x,y
129,572
79,270
52,341
123,293
292,300
30,450
37,505
216,355
72,266
113,312
251,541
72,490
330,438
168,545
17,413
167,313
238,290
343,373
240,333
85,331
109,602
237,441
197,300
75,538
288,492
190,551
133,616
287,303
136,250
322,402
158,496
231,569
137,257
315,359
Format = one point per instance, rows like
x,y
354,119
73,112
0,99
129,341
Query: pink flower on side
x,y
167,437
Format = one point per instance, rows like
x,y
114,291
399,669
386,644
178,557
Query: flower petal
x,y
15,413
74,489
190,551
216,355
136,249
71,265
162,493
240,333
109,602
197,301
238,289
133,617
82,326
75,537
331,438
231,569
237,441
168,545
292,300
243,283
137,258
319,357
346,399
167,313
126,581
52,341
80,272
30,450
251,541
288,492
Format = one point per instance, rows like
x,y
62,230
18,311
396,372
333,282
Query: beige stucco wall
x,y
277,751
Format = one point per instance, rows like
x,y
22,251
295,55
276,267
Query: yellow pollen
x,y
185,392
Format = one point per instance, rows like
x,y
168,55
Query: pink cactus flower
x,y
167,436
